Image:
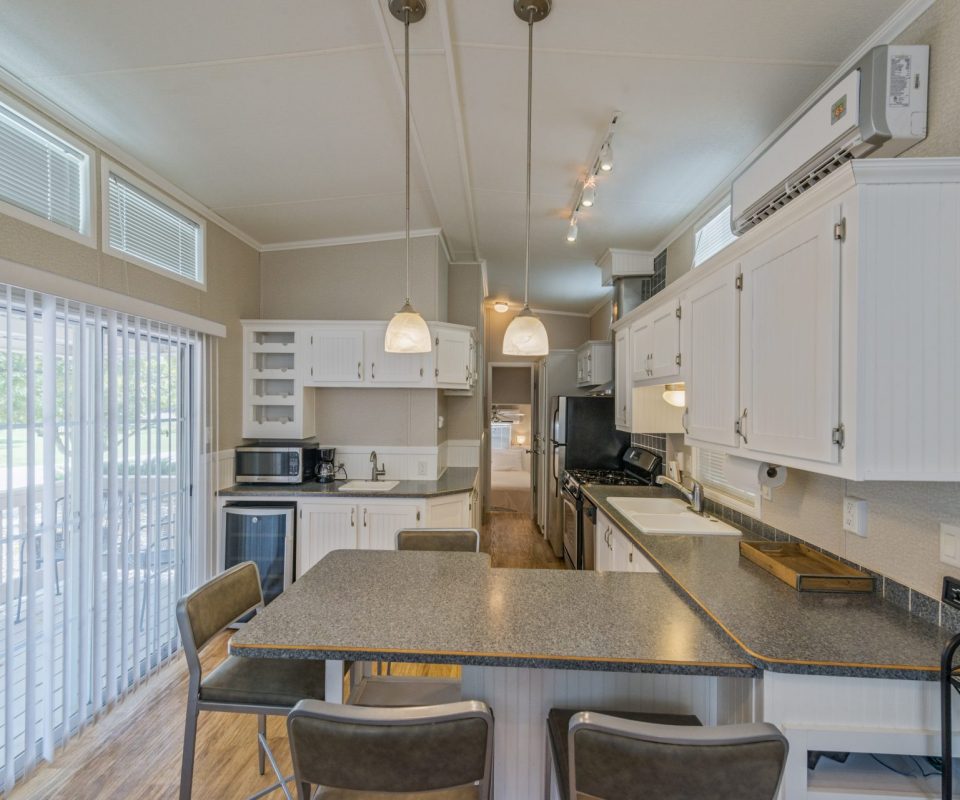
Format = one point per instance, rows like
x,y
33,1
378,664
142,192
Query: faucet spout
x,y
694,495
376,472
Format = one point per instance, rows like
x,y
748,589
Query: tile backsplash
x,y
657,442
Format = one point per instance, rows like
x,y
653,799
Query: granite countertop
x,y
777,627
455,608
455,480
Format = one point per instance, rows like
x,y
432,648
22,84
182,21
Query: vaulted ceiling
x,y
286,117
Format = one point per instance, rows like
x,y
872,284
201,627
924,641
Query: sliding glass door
x,y
100,456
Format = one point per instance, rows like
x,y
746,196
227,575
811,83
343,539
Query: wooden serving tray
x,y
806,569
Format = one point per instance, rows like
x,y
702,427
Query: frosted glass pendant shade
x,y
525,336
407,333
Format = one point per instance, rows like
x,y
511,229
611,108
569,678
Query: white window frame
x,y
702,222
737,502
106,168
87,235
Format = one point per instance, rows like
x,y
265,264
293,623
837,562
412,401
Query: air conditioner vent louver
x,y
878,108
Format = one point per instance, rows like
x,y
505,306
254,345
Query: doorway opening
x,y
512,424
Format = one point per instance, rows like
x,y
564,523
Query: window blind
x,y
713,471
501,435
147,229
106,484
42,174
712,236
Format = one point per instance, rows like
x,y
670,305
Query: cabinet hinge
x,y
679,313
436,373
311,370
839,436
840,230
418,516
678,359
311,340
436,341
739,282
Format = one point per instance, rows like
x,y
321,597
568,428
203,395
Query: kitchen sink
x,y
669,516
367,486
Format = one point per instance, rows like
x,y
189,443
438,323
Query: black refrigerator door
x,y
261,535
593,441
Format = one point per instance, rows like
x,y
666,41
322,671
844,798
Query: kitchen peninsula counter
x,y
455,480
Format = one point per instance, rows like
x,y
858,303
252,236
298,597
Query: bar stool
x,y
443,752
261,686
613,758
447,540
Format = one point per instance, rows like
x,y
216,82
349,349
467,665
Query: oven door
x,y
588,523
571,532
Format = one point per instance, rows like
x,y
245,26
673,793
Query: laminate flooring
x,y
133,750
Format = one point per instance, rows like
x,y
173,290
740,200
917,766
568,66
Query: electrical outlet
x,y
951,591
950,544
855,516
422,468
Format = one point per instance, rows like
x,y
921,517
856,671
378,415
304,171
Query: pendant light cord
x,y
526,277
406,86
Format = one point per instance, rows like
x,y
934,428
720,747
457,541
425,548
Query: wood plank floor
x,y
133,751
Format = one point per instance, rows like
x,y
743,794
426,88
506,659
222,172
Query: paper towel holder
x,y
772,475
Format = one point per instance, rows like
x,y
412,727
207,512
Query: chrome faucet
x,y
694,496
376,472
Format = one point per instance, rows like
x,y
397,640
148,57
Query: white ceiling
x,y
286,117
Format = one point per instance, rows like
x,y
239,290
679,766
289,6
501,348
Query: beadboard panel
x,y
520,699
463,452
401,463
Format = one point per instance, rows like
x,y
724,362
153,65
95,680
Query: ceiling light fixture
x,y
602,164
525,335
501,306
407,331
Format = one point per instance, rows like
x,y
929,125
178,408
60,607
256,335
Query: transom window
x,y
712,236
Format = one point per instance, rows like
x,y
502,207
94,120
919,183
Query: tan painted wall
x,y
565,332
465,307
510,386
600,322
233,290
903,518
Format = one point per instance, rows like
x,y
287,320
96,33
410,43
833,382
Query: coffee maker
x,y
326,464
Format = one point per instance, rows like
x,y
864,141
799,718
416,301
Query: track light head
x,y
572,230
606,157
589,195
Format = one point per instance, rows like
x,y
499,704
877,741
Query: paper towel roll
x,y
772,475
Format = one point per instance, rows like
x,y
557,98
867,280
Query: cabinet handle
x,y
364,517
467,373
353,518
741,426
683,420
421,372
630,556
418,515
373,370
359,370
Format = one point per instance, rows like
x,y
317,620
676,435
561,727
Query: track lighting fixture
x,y
602,164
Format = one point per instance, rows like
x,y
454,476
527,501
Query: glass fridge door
x,y
263,535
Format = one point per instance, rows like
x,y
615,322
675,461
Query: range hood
x,y
628,293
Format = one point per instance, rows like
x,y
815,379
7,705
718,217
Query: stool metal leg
x,y
189,746
261,738
282,781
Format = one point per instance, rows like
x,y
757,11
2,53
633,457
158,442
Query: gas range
x,y
573,479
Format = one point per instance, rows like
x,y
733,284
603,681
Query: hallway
x,y
513,540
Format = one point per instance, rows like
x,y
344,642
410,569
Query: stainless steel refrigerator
x,y
584,435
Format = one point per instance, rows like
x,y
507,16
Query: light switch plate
x,y
855,516
950,544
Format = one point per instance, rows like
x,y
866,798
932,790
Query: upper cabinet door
x,y
641,351
623,384
452,357
391,369
711,323
336,356
665,342
790,341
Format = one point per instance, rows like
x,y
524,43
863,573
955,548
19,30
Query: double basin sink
x,y
655,515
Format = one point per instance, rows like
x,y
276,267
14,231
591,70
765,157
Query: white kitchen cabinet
x,y
380,521
790,341
623,384
391,369
615,552
665,355
711,324
337,356
595,363
276,403
450,511
641,350
452,356
323,527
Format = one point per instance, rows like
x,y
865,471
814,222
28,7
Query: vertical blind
x,y
105,480
142,226
41,173
712,236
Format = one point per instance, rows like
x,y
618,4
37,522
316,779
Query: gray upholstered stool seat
x,y
263,682
458,793
439,540
558,725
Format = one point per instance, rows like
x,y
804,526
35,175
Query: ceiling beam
x,y
457,106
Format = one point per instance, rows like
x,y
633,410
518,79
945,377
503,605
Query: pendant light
x,y
525,335
407,331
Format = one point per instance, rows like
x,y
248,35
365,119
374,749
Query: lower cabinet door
x,y
324,527
379,523
451,511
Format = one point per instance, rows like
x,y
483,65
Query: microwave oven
x,y
276,462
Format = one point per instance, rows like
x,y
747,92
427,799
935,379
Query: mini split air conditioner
x,y
879,108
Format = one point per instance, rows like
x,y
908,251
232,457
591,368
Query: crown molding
x,y
363,238
896,24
